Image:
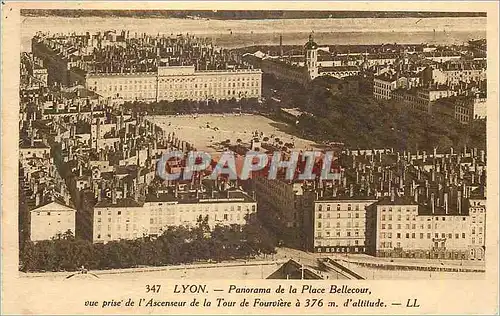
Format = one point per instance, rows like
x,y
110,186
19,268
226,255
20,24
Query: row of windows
x,y
329,208
320,215
225,217
194,217
338,234
340,243
383,85
341,73
153,80
399,217
399,210
46,213
327,224
408,226
161,210
413,235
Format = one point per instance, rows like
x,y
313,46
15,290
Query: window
x,y
407,235
398,235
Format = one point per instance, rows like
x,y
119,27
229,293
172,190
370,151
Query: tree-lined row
x,y
175,246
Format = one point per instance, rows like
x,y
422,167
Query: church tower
x,y
311,53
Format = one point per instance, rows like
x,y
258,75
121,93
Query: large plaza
x,y
205,132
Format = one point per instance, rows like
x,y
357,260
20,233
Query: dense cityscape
x,y
406,123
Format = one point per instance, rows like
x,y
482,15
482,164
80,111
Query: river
x,y
239,33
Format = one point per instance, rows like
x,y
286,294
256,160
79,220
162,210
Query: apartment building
x,y
129,218
340,225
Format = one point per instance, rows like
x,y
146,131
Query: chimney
x,y
281,45
125,187
415,197
445,198
351,190
392,195
482,155
37,199
432,203
459,202
113,195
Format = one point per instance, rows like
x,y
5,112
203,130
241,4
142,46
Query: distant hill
x,y
246,14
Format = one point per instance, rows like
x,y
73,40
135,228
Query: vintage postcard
x,y
250,158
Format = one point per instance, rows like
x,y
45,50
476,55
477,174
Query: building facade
x,y
127,218
406,229
477,212
178,83
340,225
51,219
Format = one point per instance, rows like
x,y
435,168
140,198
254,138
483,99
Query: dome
x,y
310,44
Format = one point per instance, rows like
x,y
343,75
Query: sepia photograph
x,y
249,158
194,144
